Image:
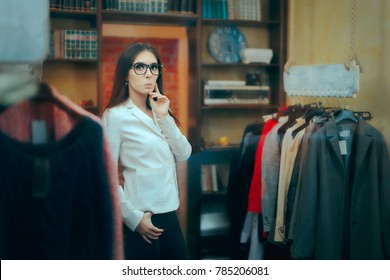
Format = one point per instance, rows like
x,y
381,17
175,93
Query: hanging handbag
x,y
324,80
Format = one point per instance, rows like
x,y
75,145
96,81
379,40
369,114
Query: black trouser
x,y
169,246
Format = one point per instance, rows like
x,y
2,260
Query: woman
x,y
146,143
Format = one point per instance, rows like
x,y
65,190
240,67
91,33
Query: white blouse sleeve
x,y
113,132
130,215
179,144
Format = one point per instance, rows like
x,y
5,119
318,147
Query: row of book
x,y
73,44
214,178
152,6
232,9
73,5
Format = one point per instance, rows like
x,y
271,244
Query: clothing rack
x,y
278,169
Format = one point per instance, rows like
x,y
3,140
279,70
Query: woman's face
x,y
142,84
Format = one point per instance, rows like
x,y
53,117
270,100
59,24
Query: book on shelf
x,y
223,173
73,44
205,178
55,4
112,5
215,9
143,6
73,5
232,9
182,6
175,6
214,178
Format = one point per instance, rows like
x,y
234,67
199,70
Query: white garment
x,y
147,151
250,230
290,146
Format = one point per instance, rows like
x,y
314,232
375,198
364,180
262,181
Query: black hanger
x,y
363,115
15,87
39,92
308,116
294,112
345,115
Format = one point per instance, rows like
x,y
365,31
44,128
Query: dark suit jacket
x,y
344,214
239,182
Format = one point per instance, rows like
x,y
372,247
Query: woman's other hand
x,y
147,230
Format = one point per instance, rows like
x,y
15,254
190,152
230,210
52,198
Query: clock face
x,y
225,44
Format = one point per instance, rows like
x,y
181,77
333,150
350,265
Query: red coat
x,y
254,197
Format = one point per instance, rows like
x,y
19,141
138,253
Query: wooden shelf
x,y
243,23
71,61
240,107
73,14
270,32
241,65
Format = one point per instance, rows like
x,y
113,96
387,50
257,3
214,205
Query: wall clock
x,y
225,44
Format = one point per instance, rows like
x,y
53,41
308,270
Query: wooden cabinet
x,y
215,121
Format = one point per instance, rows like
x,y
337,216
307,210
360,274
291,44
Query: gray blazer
x,y
344,214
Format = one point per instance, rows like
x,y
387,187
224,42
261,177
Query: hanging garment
x,y
343,209
254,197
59,198
255,227
289,151
240,176
251,231
270,164
293,192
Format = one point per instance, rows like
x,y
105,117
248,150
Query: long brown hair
x,y
120,90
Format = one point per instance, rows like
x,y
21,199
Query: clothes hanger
x,y
46,93
363,115
255,127
310,113
20,85
295,111
15,87
345,115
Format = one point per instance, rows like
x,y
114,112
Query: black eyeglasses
x,y
141,68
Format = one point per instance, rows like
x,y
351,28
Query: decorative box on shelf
x,y
235,92
252,55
